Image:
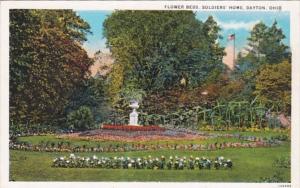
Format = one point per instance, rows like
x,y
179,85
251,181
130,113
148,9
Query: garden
x,y
166,109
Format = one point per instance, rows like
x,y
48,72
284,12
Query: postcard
x,y
141,93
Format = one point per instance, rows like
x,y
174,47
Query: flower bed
x,y
133,128
113,134
176,163
126,137
137,147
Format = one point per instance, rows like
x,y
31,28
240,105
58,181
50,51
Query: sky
x,y
238,22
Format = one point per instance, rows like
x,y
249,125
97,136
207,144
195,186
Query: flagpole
x,y
234,49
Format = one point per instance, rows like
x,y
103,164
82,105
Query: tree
x,y
265,47
158,50
273,85
91,94
47,63
266,43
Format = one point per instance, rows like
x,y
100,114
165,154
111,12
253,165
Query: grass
x,y
266,134
250,164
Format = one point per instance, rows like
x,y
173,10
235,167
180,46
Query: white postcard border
x,y
292,6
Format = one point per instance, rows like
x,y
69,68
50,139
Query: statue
x,y
133,117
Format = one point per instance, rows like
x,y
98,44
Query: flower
x,y
152,163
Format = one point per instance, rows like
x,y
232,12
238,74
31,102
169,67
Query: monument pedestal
x,y
133,116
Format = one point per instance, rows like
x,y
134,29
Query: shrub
x,y
282,162
81,119
276,178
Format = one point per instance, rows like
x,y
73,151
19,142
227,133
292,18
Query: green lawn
x,y
266,134
249,165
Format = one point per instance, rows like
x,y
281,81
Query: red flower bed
x,y
133,128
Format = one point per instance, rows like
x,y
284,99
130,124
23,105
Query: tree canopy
x,y
162,50
265,48
273,86
47,63
266,43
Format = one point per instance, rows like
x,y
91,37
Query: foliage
x,y
282,162
273,86
47,63
264,72
222,114
176,50
130,93
16,130
233,90
266,43
276,178
81,119
92,94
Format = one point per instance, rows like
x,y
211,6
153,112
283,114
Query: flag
x,y
231,37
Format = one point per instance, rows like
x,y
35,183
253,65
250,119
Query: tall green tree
x,y
266,43
265,47
161,50
47,63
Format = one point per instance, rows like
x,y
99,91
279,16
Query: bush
x,y
276,178
282,162
81,119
